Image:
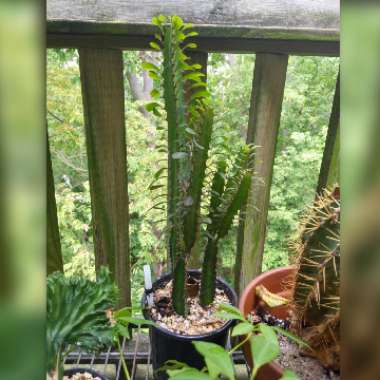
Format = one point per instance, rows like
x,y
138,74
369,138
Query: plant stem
x,y
179,277
209,273
245,340
123,363
253,373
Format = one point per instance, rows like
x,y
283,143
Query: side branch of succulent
x,y
229,192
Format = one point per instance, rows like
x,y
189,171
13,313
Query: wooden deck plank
x,y
101,72
54,253
264,119
268,19
329,172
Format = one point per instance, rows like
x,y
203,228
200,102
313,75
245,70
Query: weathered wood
x,y
269,19
264,119
54,260
101,72
329,173
231,45
195,260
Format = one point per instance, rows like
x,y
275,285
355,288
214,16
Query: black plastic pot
x,y
74,370
167,345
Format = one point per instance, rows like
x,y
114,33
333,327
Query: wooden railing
x,y
101,30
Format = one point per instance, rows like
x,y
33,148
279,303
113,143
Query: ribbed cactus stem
x,y
209,272
316,286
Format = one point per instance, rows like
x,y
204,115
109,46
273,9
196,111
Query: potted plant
x,y
77,316
308,292
262,339
219,183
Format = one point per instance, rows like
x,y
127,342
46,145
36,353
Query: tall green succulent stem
x,y
209,272
179,279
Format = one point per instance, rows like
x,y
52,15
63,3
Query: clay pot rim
x,y
274,365
259,279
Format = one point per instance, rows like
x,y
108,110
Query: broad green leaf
x,y
187,374
232,310
137,321
155,93
193,76
200,94
264,347
177,21
155,45
187,26
289,375
156,112
150,67
218,360
155,21
190,45
151,106
198,84
123,331
124,312
242,329
191,34
228,316
161,18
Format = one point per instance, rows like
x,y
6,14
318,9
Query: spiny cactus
x,y
316,300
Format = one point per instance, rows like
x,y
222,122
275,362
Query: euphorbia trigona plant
x,y
219,182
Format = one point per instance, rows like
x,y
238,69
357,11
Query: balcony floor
x,y
137,356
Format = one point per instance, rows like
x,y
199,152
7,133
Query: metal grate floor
x,y
137,356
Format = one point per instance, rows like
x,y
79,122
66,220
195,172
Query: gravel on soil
x,y
81,376
200,320
307,368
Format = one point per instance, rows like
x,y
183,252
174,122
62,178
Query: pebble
x,y
199,320
81,376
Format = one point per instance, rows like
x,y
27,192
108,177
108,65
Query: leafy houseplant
x,y
77,316
189,115
261,338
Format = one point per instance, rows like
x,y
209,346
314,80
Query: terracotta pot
x,y
274,280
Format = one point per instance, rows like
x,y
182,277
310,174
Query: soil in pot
x,y
171,338
82,374
305,367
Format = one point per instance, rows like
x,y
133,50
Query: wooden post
x,y
54,253
195,260
264,119
101,73
329,173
